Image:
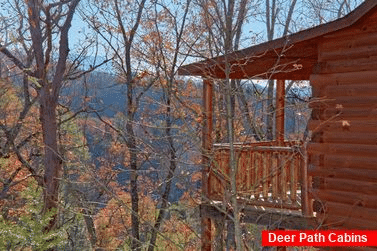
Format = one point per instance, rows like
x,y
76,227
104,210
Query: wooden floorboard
x,y
274,218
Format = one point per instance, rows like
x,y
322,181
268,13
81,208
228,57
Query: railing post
x,y
307,208
206,160
280,114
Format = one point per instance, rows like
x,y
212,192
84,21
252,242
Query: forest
x,y
100,138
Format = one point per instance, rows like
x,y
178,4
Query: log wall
x,y
343,151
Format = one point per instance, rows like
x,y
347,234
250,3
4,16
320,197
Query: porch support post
x,y
206,159
280,114
306,201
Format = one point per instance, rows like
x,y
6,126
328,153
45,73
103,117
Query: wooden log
x,y
364,187
207,131
283,177
346,40
250,167
349,53
356,162
274,148
245,145
250,173
337,114
294,179
270,148
272,217
315,160
279,182
215,164
213,184
352,32
368,126
346,197
224,171
317,91
271,204
241,170
256,170
274,178
344,102
343,149
257,177
345,222
298,163
266,174
306,202
257,147
349,138
256,164
343,78
280,112
354,65
225,164
219,235
351,211
218,175
344,173
356,90
206,237
206,224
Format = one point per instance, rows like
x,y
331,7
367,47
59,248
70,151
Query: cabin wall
x,y
342,155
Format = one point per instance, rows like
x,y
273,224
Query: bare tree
x,y
119,32
224,21
12,132
168,70
250,127
321,11
273,7
279,19
45,20
40,51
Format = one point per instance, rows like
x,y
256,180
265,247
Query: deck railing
x,y
267,175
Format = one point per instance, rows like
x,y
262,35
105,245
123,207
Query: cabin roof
x,y
292,57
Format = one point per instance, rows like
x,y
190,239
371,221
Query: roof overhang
x,y
293,57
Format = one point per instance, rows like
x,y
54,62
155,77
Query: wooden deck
x,y
274,218
268,176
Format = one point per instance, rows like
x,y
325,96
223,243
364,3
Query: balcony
x,y
268,175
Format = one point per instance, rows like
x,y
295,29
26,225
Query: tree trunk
x,y
233,167
52,159
229,93
248,123
272,12
169,178
131,144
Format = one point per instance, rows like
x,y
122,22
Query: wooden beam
x,y
206,159
280,114
306,198
207,141
274,218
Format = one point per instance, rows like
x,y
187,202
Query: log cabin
x,y
331,181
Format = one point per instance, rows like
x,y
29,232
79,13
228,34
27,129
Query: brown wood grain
x,y
366,126
352,211
347,197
